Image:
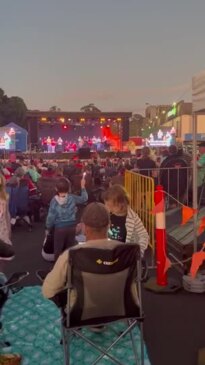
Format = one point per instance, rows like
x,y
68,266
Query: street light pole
x,y
194,188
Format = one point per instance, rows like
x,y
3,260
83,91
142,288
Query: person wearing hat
x,y
96,220
201,168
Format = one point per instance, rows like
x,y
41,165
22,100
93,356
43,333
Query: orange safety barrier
x,y
141,191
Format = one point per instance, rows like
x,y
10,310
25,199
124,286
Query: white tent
x,y
198,104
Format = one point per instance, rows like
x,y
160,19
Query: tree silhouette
x,y
54,108
12,109
90,108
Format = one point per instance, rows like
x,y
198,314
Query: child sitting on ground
x,y
62,215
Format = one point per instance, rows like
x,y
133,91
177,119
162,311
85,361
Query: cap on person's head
x,y
96,216
202,144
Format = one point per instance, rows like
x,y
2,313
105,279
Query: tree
x,y
12,109
90,108
54,108
1,95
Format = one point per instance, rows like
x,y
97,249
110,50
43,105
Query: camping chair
x,y
19,205
105,281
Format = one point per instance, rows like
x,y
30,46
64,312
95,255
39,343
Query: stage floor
x,y
72,155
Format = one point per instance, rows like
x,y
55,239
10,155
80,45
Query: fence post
x,y
160,236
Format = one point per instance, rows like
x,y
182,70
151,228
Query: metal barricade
x,y
176,182
141,191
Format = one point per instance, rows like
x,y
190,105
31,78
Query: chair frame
x,y
68,331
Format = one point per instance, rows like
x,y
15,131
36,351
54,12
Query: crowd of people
x,y
60,190
33,177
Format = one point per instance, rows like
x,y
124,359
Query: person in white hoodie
x,y
62,215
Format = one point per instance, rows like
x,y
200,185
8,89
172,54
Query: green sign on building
x,y
172,112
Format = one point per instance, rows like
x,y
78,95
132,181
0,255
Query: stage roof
x,y
59,115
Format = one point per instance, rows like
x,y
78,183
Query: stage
x,y
69,131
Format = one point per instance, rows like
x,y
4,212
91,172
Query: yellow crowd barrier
x,y
141,191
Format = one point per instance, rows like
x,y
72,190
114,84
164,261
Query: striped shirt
x,y
136,232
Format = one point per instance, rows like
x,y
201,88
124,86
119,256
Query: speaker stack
x,y
125,130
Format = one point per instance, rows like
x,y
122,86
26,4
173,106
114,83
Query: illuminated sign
x,y
159,143
172,112
162,138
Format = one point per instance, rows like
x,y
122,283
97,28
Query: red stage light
x,y
65,127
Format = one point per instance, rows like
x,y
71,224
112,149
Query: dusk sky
x,y
118,54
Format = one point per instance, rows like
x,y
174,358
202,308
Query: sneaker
x,y
10,359
97,329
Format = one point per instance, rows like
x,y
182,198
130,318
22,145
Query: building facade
x,y
156,114
180,117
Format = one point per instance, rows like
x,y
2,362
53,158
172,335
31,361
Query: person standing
x,y
5,225
49,147
53,145
60,144
145,165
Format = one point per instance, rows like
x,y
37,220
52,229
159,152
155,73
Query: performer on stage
x,y
73,146
160,134
60,144
53,145
98,143
49,147
7,141
80,142
94,142
44,144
